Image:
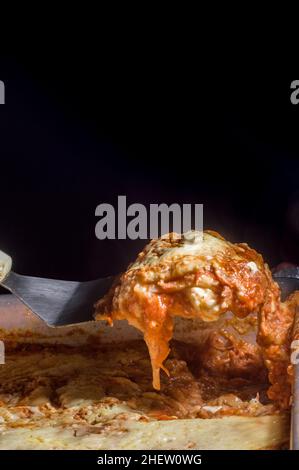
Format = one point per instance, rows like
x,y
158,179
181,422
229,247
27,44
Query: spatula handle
x,y
5,265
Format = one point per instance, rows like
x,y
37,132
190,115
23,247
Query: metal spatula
x,y
56,302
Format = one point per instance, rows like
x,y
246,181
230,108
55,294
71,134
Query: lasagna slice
x,y
199,275
99,396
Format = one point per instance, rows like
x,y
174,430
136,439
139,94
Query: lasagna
x,y
97,396
212,373
201,275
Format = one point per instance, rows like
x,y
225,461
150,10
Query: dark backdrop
x,y
80,129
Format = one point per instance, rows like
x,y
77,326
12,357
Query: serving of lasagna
x,y
201,275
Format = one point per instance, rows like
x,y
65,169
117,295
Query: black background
x,y
150,122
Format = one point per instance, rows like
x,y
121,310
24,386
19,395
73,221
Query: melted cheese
x,y
196,275
201,275
193,243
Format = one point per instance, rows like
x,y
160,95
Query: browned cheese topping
x,y
201,275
